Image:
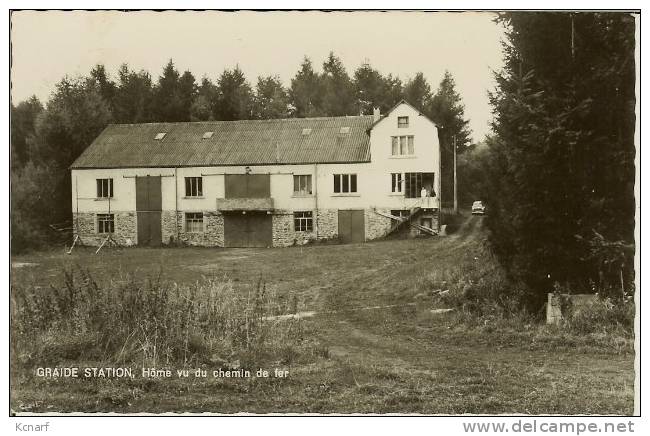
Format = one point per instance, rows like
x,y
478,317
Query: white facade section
x,y
373,179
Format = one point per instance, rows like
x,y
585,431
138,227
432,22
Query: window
x,y
302,184
396,182
402,121
160,136
208,135
344,183
306,132
193,186
194,222
414,182
303,221
104,188
344,130
402,145
105,223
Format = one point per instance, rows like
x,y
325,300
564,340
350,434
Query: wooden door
x,y
351,226
148,205
248,230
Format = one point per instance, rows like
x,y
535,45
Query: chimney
x,y
376,114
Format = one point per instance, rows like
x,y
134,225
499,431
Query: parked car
x,y
478,208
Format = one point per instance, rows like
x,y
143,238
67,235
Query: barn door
x,y
248,186
351,226
248,230
148,206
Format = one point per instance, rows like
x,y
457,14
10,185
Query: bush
x,y
602,315
153,321
478,286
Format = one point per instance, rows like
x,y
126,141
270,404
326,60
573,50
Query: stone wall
x,y
377,226
168,226
212,235
328,223
125,228
414,232
284,233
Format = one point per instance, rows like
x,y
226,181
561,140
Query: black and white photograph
x,y
325,212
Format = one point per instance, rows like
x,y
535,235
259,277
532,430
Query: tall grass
x,y
153,322
483,295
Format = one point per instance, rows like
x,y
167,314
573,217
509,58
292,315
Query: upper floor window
x,y
396,182
402,145
402,121
344,183
104,188
193,186
302,184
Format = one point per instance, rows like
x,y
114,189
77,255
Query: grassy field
x,y
382,348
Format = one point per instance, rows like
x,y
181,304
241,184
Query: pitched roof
x,y
401,102
246,142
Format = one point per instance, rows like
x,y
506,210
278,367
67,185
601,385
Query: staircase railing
x,y
401,220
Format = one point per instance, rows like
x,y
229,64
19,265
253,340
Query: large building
x,y
259,183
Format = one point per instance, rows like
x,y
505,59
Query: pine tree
x,y
447,110
338,92
206,99
562,161
173,95
104,84
133,99
234,96
23,126
371,90
417,92
306,92
271,99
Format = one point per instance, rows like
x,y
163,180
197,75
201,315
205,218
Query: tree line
x,y
47,138
558,172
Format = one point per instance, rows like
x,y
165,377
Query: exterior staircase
x,y
400,221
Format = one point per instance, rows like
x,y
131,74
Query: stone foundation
x,y
125,228
212,235
325,227
284,234
377,226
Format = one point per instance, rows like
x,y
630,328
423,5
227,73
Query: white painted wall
x,y
373,179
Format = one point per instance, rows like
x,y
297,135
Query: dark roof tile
x,y
246,142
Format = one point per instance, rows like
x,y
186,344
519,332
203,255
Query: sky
x,y
48,45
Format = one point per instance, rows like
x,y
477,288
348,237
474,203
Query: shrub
x,y
601,315
477,286
152,322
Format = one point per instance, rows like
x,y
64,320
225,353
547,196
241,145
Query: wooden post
x,y
455,181
439,184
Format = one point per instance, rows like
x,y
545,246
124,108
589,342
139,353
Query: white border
x,y
272,425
